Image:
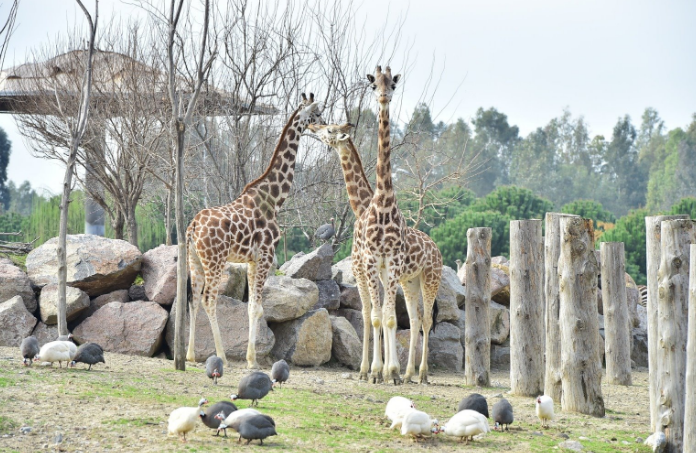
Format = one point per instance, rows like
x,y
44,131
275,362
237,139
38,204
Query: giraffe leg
x,y
260,270
429,285
411,289
376,318
210,306
367,325
197,276
389,327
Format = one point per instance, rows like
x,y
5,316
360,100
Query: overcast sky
x,y
529,59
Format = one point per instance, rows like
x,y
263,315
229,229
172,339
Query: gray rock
x,y
234,281
305,341
286,298
500,357
642,314
573,445
159,274
329,295
500,284
350,297
354,317
639,349
314,266
500,323
76,302
14,282
120,295
137,292
500,260
403,340
450,286
16,322
342,272
461,325
346,346
45,334
127,328
233,320
445,348
96,265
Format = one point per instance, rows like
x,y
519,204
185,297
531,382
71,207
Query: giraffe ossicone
x,y
244,231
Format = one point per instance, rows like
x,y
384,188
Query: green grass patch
x,y
132,421
7,425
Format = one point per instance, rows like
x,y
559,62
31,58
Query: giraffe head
x,y
383,84
309,111
332,134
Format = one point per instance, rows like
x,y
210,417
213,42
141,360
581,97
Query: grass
x,y
125,407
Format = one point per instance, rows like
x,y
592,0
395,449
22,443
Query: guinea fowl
x,y
213,368
418,424
280,372
466,424
57,351
397,408
89,353
256,427
502,414
253,387
232,421
30,349
475,402
183,419
222,408
326,231
544,409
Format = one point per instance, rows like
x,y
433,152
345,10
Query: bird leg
x,y
248,441
261,440
90,367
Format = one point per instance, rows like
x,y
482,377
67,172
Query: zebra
x,y
643,290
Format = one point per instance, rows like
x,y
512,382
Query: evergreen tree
x,y
5,151
494,144
622,161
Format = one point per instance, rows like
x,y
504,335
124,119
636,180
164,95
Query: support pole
x,y
690,386
617,325
477,330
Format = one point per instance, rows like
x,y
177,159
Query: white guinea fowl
x,y
466,424
57,351
397,408
183,419
544,409
417,424
231,421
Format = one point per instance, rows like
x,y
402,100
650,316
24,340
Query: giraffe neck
x,y
384,174
274,185
358,187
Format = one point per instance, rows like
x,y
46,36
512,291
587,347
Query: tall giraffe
x,y
245,231
423,262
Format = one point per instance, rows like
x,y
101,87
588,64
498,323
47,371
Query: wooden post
x,y
477,330
617,325
672,318
581,371
690,385
552,250
526,308
653,229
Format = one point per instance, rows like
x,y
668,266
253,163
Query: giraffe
x,y
244,231
423,262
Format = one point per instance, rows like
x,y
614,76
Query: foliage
x,y
515,203
589,209
630,229
686,205
5,151
441,205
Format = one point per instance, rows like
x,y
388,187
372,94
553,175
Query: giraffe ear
x,y
311,97
371,78
304,97
396,78
347,126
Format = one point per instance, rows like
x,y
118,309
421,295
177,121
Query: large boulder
x,y
233,282
500,284
286,298
315,265
128,328
350,297
45,334
500,323
500,356
76,301
14,282
233,320
120,295
306,341
639,349
329,295
354,317
346,346
159,274
450,286
403,341
16,322
342,272
445,347
96,265
642,314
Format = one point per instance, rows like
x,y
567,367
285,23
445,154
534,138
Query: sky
x,y
601,59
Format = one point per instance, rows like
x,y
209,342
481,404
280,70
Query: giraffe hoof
x,y
423,379
362,377
253,366
377,378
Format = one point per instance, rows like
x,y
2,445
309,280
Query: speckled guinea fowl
x,y
208,417
256,427
280,372
89,353
213,368
502,414
253,387
30,349
475,402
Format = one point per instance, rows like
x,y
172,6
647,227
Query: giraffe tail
x,y
436,310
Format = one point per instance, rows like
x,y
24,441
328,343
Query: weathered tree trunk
x,y
552,342
653,235
132,226
117,224
182,261
477,331
672,318
617,325
690,385
526,308
168,217
581,371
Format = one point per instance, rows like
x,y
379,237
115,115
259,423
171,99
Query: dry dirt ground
x,y
124,406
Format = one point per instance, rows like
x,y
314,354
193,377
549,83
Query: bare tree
x,y
7,30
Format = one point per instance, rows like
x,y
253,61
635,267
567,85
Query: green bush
x,y
589,209
515,203
686,205
630,229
